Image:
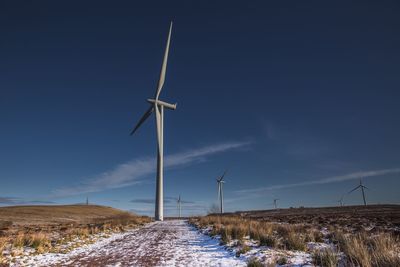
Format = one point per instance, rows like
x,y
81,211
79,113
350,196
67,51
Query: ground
x,y
168,243
177,243
375,218
55,215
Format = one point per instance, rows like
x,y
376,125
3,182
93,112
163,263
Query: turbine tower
x,y
158,106
275,203
179,205
362,190
220,182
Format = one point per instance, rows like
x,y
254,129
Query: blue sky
x,y
296,100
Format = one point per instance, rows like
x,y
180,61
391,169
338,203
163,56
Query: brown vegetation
x,y
55,215
274,235
360,245
326,258
45,228
378,218
362,249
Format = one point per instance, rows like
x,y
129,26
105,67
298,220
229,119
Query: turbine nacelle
x,y
162,103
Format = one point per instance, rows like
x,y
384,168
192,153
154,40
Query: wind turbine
x,y
341,201
87,201
158,106
362,190
179,205
220,182
275,203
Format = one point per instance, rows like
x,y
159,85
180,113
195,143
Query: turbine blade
x,y
223,175
354,189
144,117
365,187
164,65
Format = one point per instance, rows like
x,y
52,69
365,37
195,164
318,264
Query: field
x,y
37,229
345,236
55,215
375,218
91,235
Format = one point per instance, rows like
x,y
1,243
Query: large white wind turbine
x,y
158,106
179,205
362,190
220,182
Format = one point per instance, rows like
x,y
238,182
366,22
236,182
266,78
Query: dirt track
x,y
169,243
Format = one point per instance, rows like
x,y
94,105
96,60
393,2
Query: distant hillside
x,y
382,217
74,214
370,210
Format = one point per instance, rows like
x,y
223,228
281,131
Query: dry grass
x,y
5,225
385,250
254,262
45,228
294,241
19,240
60,214
80,232
274,235
360,248
325,258
39,241
243,250
380,250
3,243
281,261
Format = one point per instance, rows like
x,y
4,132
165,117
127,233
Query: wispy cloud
x,y
327,180
8,200
20,201
131,172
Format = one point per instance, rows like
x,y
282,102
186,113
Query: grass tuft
x,y
254,262
295,241
243,250
3,243
380,250
325,258
282,261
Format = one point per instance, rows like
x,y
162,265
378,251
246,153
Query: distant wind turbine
x,y
220,182
340,201
275,203
87,200
362,190
179,205
158,106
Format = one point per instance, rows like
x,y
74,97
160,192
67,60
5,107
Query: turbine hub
x,y
162,103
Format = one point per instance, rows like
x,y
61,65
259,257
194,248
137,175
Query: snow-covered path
x,y
168,243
